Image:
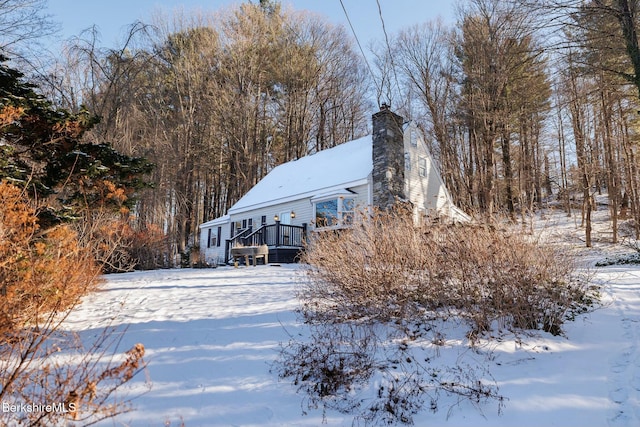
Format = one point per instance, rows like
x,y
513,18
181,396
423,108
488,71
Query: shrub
x,y
117,246
43,275
114,241
379,373
377,295
106,235
39,271
387,268
148,247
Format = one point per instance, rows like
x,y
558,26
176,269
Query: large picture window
x,y
327,213
335,212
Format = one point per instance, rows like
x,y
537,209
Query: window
x,y
414,138
213,239
348,207
422,166
263,220
327,213
407,161
335,212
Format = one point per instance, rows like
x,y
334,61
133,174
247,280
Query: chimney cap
x,y
385,107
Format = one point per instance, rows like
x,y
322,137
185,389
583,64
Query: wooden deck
x,y
285,242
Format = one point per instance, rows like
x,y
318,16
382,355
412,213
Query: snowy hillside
x,y
212,334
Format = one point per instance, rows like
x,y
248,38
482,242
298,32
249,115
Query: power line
x,y
386,38
366,61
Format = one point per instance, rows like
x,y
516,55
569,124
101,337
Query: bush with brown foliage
x,y
39,271
113,240
119,247
379,293
46,376
388,268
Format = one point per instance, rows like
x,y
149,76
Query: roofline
x,y
234,211
216,221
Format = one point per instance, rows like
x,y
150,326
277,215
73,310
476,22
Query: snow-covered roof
x,y
217,221
340,167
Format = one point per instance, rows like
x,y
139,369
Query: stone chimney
x,y
388,158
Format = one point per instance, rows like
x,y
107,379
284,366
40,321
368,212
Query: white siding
x,y
362,199
303,208
427,193
214,255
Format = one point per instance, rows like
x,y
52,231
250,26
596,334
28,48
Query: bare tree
x,y
216,101
22,24
424,58
504,95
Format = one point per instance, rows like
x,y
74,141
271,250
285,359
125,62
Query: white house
x,y
328,188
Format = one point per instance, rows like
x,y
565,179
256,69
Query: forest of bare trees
x,y
522,102
110,158
216,101
529,102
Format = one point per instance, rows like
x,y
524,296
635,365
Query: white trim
x,y
218,221
370,195
308,194
334,195
339,198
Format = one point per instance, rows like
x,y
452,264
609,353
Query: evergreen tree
x,y
42,150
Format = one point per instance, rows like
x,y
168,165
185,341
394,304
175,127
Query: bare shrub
x,y
39,271
379,373
46,377
376,292
115,243
107,236
119,247
148,247
387,268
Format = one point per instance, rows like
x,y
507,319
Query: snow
x,y
217,221
212,335
344,165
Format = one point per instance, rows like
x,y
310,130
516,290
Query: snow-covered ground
x,y
211,336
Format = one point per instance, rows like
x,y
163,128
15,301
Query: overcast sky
x,y
114,16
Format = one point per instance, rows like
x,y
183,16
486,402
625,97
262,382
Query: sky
x,y
113,17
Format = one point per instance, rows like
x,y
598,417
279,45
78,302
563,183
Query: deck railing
x,y
273,235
